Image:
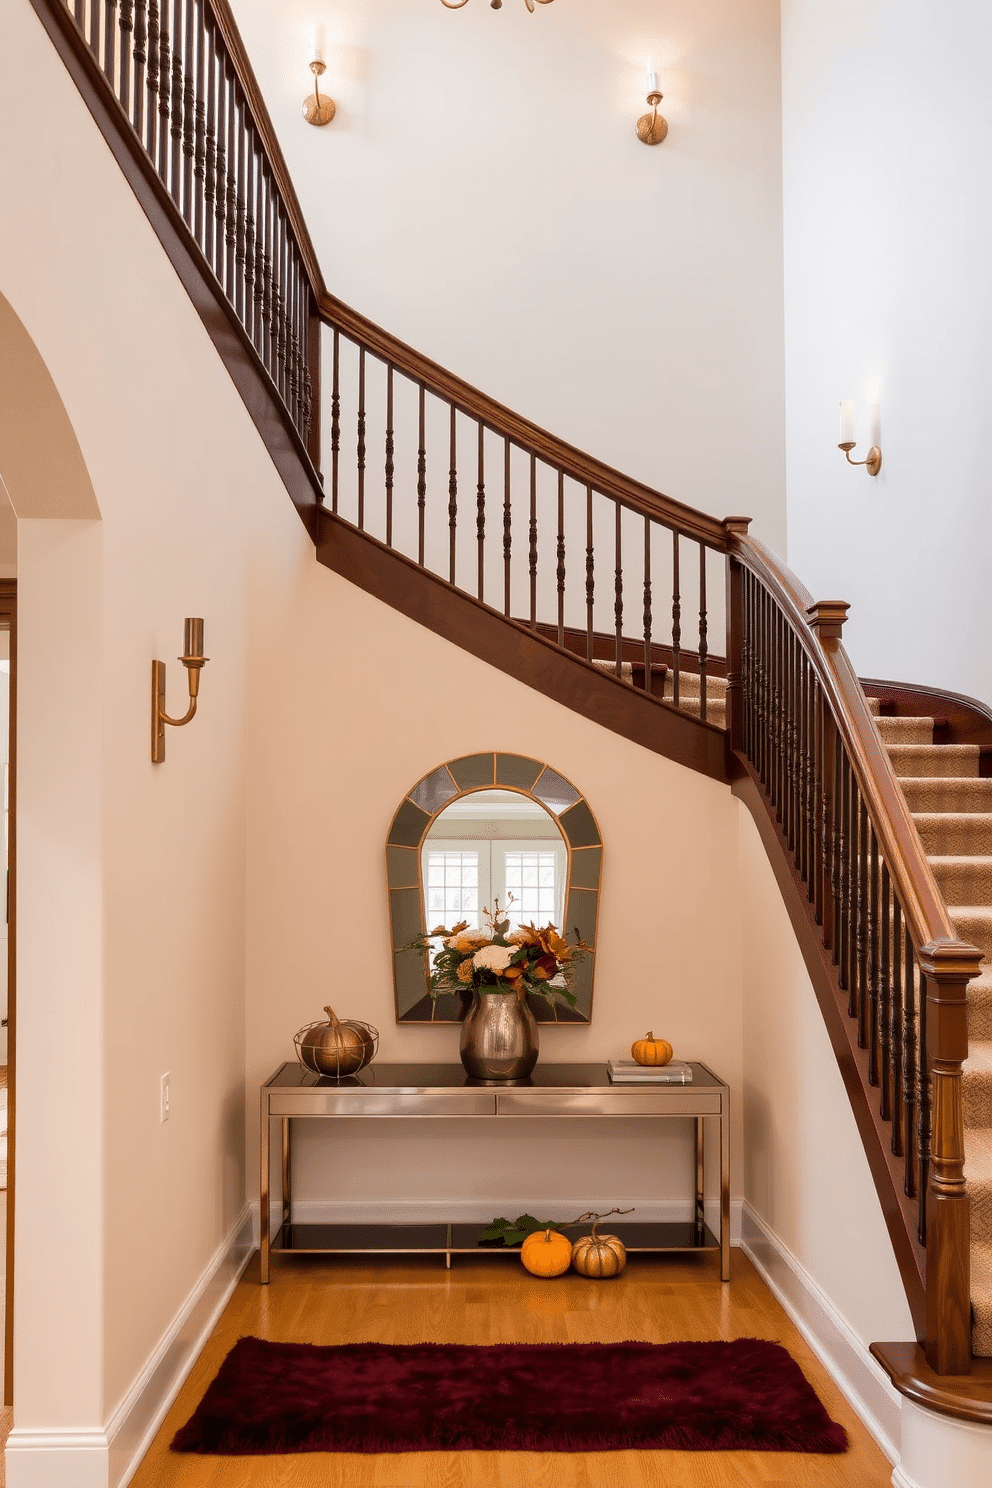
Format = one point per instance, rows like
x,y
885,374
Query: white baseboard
x,y
56,1459
144,1407
827,1333
481,1211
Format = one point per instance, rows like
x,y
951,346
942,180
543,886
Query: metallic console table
x,y
393,1091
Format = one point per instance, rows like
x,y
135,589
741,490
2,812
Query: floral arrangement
x,y
492,959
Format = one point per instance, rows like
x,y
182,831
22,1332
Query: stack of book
x,y
629,1072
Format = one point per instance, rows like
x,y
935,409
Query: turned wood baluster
x,y
199,121
421,479
778,711
79,11
140,57
220,175
703,653
175,168
873,968
507,525
837,846
790,762
95,28
151,79
814,789
336,427
560,571
909,1067
164,74
590,575
847,848
258,257
389,470
885,999
360,451
743,582
826,870
618,588
480,511
126,25
677,621
761,680
452,497
231,203
210,154
896,1029
269,194
533,542
279,334
189,109
647,604
860,977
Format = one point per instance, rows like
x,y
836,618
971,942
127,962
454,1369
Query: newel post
x,y
948,967
735,527
827,618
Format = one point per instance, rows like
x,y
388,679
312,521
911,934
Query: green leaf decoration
x,y
515,1232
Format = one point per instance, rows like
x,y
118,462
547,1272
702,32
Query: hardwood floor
x,y
663,1298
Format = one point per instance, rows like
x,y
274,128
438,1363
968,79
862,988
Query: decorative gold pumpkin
x,y
650,1050
337,1047
599,1255
547,1253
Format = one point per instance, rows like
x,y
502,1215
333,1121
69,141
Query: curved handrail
x,y
573,462
922,902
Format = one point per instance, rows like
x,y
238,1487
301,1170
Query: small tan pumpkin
x,y
547,1253
599,1255
337,1047
650,1050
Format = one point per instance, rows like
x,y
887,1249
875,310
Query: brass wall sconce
x,y
194,661
873,462
652,128
317,110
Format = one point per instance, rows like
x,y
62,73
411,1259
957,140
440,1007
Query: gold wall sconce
x,y
317,110
194,661
873,461
652,128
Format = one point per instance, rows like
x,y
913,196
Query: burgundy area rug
x,y
546,1397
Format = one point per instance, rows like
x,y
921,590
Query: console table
x,y
405,1091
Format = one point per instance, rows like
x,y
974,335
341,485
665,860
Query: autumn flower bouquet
x,y
494,959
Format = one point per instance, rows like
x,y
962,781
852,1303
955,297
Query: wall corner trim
x,y
142,1411
827,1332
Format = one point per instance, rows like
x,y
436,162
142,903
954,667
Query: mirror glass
x,y
494,844
486,827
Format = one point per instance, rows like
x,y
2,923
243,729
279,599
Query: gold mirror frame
x,y
417,813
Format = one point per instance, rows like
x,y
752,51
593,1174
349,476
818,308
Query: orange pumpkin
x,y
599,1255
547,1253
650,1050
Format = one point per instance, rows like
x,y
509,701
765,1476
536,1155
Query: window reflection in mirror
x,y
494,844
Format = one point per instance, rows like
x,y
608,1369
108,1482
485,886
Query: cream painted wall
x,y
131,908
805,1171
327,773
888,234
481,193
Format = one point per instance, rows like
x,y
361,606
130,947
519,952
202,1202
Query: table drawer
x,y
678,1101
370,1102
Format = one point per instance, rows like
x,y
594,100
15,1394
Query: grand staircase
x,y
608,596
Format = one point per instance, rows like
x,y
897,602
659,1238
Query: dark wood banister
x,y
946,962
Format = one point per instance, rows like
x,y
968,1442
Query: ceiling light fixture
x,y
495,4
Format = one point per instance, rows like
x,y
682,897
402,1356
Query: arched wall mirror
x,y
485,826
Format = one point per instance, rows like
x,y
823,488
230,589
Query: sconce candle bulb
x,y
873,461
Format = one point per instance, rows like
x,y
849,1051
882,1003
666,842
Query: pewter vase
x,y
499,1042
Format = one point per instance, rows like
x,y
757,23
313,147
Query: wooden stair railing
x,y
890,973
567,543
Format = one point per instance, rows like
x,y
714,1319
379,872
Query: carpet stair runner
x,y
952,809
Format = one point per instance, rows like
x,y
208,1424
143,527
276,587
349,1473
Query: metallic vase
x,y
499,1043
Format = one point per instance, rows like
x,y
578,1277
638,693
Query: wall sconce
x,y
873,463
317,110
193,660
652,128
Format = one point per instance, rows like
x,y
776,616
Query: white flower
x,y
493,958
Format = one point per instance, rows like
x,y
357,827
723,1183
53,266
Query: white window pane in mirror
x,y
453,885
